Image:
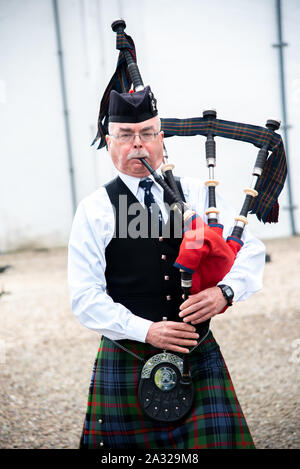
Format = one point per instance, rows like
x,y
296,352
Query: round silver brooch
x,y
165,378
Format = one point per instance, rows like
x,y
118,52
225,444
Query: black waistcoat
x,y
140,273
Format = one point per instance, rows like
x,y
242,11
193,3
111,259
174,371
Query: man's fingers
x,y
198,315
192,299
177,341
175,348
194,307
173,336
202,319
183,334
180,326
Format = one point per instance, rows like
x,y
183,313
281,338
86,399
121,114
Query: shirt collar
x,y
133,183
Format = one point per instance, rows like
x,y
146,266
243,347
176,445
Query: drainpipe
x,y
65,104
291,207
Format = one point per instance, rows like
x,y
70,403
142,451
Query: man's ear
x,y
108,141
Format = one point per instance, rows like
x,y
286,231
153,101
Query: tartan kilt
x,y
114,418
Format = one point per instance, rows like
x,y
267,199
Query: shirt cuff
x,y
137,328
239,288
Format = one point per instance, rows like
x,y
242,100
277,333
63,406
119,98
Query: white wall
x,y
35,204
194,54
291,24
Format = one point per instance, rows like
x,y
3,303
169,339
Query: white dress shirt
x,y
92,230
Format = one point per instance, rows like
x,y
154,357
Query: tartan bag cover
x,y
270,184
114,418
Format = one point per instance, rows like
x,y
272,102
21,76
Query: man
x,y
122,285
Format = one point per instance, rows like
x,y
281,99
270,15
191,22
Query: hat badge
x,y
153,101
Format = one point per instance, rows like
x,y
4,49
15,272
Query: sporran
x,y
164,393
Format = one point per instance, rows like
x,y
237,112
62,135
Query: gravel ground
x,y
46,356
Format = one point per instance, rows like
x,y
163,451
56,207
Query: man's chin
x,y
137,168
137,162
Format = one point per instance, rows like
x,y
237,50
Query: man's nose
x,y
137,142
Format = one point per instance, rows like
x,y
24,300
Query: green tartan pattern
x,y
271,182
114,418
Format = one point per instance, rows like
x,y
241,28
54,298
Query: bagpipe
x,y
205,257
204,241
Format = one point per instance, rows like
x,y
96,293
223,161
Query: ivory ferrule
x,y
212,210
250,191
167,167
211,182
242,219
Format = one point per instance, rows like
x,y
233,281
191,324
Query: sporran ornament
x,y
165,393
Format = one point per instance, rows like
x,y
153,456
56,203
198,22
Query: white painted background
x,y
194,54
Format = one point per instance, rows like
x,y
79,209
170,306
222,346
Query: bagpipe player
x,y
123,285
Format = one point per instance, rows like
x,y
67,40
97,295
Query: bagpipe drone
x,y
205,257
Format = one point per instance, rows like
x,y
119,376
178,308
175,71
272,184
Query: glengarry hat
x,y
132,107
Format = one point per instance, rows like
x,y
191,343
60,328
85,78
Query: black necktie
x,y
149,200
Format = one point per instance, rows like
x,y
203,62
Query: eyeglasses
x,y
129,137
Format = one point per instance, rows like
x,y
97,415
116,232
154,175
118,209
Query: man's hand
x,y
202,306
170,335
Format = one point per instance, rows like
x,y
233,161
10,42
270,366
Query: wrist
x,y
227,292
